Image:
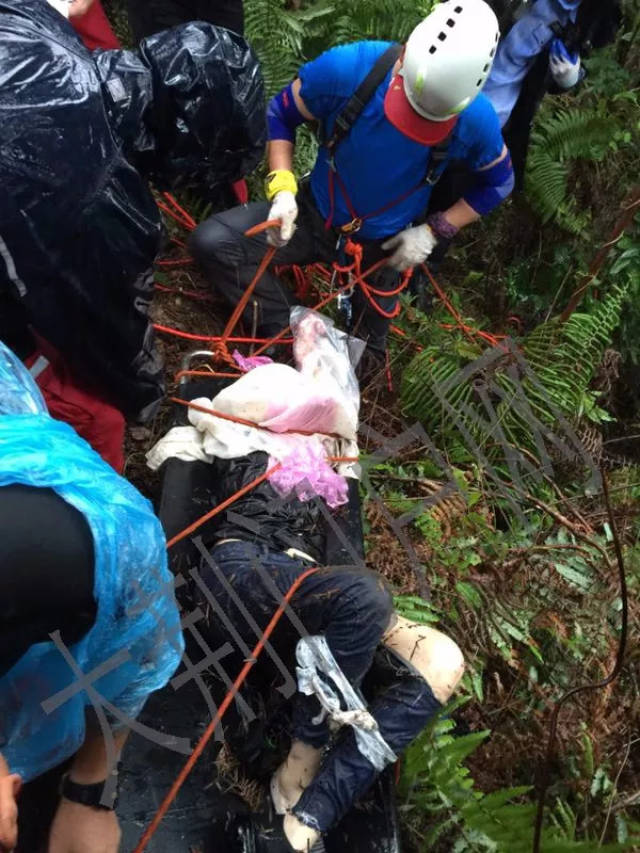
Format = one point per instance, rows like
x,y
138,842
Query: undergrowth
x,y
505,545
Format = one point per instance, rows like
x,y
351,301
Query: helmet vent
x,y
433,48
478,84
486,68
442,36
451,22
458,9
493,53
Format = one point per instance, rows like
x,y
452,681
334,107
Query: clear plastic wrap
x,y
19,394
320,397
316,664
328,356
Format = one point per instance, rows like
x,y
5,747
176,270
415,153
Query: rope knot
x,y
355,250
222,355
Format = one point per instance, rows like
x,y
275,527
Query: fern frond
x,y
573,134
557,141
545,183
439,387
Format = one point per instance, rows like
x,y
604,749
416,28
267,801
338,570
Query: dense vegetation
x,y
517,563
515,559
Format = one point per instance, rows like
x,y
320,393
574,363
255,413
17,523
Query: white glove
x,y
565,67
284,207
412,246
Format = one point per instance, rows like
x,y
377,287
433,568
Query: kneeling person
x,y
374,174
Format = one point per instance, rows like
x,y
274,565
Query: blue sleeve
x,y
283,115
495,185
329,80
481,134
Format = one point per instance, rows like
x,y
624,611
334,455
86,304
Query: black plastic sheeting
x,y
189,104
79,229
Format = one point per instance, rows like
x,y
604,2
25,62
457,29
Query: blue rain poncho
x,y
137,615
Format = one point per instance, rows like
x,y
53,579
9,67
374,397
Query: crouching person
x,y
89,625
257,554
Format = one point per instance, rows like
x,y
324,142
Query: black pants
x,y
230,261
147,17
46,571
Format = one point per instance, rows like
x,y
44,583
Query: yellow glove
x,y
279,180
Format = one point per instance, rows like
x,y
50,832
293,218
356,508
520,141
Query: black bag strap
x,y
437,160
348,116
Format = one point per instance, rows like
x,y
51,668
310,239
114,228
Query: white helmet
x,y
446,62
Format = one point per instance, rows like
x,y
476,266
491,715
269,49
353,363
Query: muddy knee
x,y
213,242
436,657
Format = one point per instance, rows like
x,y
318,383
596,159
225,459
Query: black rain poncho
x,y
79,228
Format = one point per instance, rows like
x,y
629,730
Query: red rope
x,y
189,336
244,301
208,733
243,421
209,374
192,294
177,262
222,506
464,328
180,212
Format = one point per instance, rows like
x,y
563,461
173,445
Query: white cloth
x,y
321,397
412,246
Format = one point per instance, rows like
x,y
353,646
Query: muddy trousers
x,y
352,609
230,260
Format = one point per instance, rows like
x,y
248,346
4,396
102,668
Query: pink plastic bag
x,y
247,363
307,473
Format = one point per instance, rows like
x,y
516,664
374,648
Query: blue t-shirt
x,y
377,163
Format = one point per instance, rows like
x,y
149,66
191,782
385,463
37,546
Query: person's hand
x,y
79,7
10,784
285,208
412,246
81,829
565,66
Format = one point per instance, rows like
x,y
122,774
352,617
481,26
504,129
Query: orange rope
x,y
261,226
192,294
227,503
243,422
180,212
464,328
323,302
209,731
242,304
209,374
178,333
175,262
